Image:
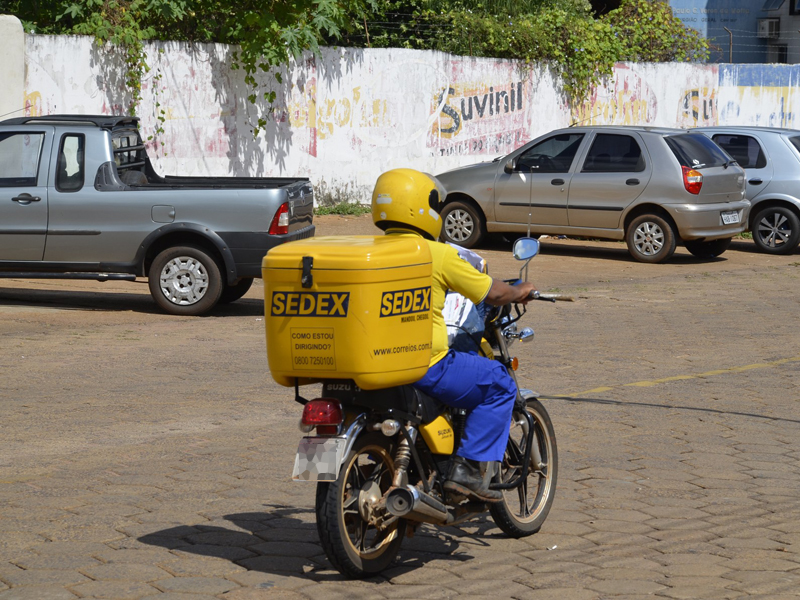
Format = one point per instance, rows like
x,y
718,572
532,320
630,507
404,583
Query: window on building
x,y
773,4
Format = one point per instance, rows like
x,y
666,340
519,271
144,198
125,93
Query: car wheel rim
x,y
648,238
184,280
459,225
773,230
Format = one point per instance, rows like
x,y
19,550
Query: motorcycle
x,y
381,470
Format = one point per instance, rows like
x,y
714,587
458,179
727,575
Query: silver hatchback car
x,y
648,186
771,160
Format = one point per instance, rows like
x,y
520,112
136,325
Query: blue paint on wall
x,y
760,75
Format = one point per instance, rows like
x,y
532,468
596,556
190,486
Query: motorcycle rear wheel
x,y
355,547
524,510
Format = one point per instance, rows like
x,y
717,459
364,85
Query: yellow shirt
x,y
450,272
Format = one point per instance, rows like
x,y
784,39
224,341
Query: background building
x,y
731,26
745,31
740,31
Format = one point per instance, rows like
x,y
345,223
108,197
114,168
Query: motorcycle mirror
x,y
526,248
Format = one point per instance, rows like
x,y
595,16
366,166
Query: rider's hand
x,y
526,288
501,293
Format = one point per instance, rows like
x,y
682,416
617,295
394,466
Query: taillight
x,y
692,180
280,222
324,413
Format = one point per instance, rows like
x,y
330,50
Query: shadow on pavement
x,y
280,542
112,302
671,407
588,249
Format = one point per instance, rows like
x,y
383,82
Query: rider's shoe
x,y
466,479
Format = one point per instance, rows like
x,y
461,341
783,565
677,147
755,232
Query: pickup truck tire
x,y
650,239
776,230
462,224
231,293
185,280
709,249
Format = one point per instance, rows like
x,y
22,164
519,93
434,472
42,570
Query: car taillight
x,y
324,413
280,222
692,180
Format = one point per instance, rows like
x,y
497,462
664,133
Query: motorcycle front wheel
x,y
524,509
345,518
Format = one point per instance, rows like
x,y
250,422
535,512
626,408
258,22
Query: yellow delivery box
x,y
349,307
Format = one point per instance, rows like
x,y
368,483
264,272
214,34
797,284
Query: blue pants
x,y
486,390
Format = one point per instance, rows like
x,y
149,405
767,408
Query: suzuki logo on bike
x,y
404,302
310,304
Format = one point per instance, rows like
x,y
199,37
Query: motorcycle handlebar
x,y
536,295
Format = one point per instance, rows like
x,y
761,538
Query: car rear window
x,y
696,151
795,142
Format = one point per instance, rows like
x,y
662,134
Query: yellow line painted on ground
x,y
764,365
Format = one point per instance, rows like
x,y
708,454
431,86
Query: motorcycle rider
x,y
407,202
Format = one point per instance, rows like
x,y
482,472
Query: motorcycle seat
x,y
405,398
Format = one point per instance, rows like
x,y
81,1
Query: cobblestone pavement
x,y
149,456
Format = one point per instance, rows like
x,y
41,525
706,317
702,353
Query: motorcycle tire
x,y
523,510
355,547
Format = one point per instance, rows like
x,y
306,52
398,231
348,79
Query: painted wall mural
x,y
347,115
483,109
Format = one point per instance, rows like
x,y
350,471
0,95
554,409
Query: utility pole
x,y
730,45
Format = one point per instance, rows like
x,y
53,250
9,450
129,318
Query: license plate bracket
x,y
318,458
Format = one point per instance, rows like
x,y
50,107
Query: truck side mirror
x,y
510,166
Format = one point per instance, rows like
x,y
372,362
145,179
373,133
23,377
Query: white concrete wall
x,y
12,67
345,116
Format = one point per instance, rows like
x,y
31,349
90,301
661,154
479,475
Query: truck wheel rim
x,y
458,225
184,280
774,230
648,238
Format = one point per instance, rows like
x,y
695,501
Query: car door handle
x,y
557,182
632,182
755,181
25,198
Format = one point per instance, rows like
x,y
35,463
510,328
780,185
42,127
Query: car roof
x,y
102,121
645,128
751,128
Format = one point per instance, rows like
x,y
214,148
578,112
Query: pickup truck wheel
x,y
710,249
776,230
185,280
462,225
650,239
231,293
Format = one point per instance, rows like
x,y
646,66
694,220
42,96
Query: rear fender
x,y
175,234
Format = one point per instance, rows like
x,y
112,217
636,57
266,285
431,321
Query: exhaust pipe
x,y
415,505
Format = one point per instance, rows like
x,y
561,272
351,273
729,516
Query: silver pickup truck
x,y
79,199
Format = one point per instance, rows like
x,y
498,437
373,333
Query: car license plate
x,y
318,459
730,217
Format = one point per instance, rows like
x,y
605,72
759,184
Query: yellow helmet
x,y
408,199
